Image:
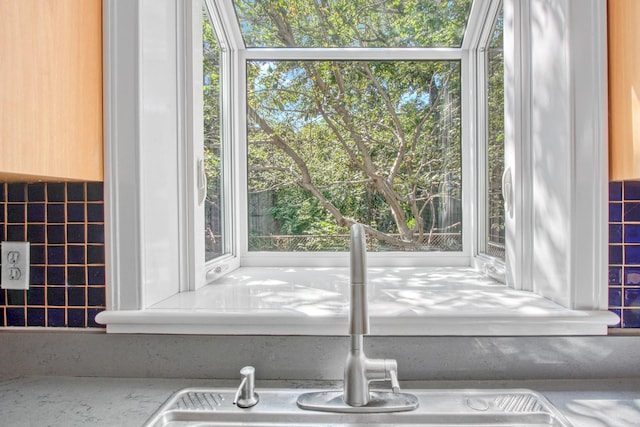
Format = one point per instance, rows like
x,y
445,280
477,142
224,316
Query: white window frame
x,y
492,266
149,223
323,259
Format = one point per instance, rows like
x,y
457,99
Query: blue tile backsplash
x,y
65,224
624,252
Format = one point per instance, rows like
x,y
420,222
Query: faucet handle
x,y
246,396
395,385
391,373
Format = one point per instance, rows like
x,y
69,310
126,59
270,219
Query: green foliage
x,y
349,23
333,142
367,134
212,135
495,155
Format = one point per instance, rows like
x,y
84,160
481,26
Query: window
x,y
344,24
214,209
553,148
375,138
377,142
494,104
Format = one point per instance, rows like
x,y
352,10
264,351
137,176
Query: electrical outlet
x,y
15,265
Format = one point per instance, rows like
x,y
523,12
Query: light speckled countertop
x,y
82,401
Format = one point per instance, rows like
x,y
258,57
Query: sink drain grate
x,y
198,401
517,403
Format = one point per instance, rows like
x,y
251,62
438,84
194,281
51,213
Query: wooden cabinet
x,y
624,89
51,90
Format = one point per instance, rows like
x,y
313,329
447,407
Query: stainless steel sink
x,y
278,408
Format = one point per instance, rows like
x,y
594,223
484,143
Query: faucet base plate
x,y
380,401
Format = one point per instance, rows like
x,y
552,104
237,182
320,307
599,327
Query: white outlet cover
x,y
15,265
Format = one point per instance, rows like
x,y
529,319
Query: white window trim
x,y
147,234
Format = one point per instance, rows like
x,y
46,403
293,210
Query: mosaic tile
x,y
76,275
95,233
15,316
75,212
632,297
615,191
37,254
615,275
631,318
55,213
615,297
17,193
615,233
55,192
75,233
37,275
55,255
632,190
36,192
16,233
632,276
75,191
56,317
624,252
35,316
56,296
632,254
95,297
55,275
76,317
95,191
56,235
95,254
76,296
36,233
54,218
615,255
76,254
35,212
632,233
95,212
15,213
36,296
15,297
631,212
95,275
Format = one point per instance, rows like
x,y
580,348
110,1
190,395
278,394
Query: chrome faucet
x,y
359,370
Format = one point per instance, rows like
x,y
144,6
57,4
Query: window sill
x,y
314,301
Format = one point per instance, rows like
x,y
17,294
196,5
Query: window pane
x,y
495,155
352,23
213,208
332,142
